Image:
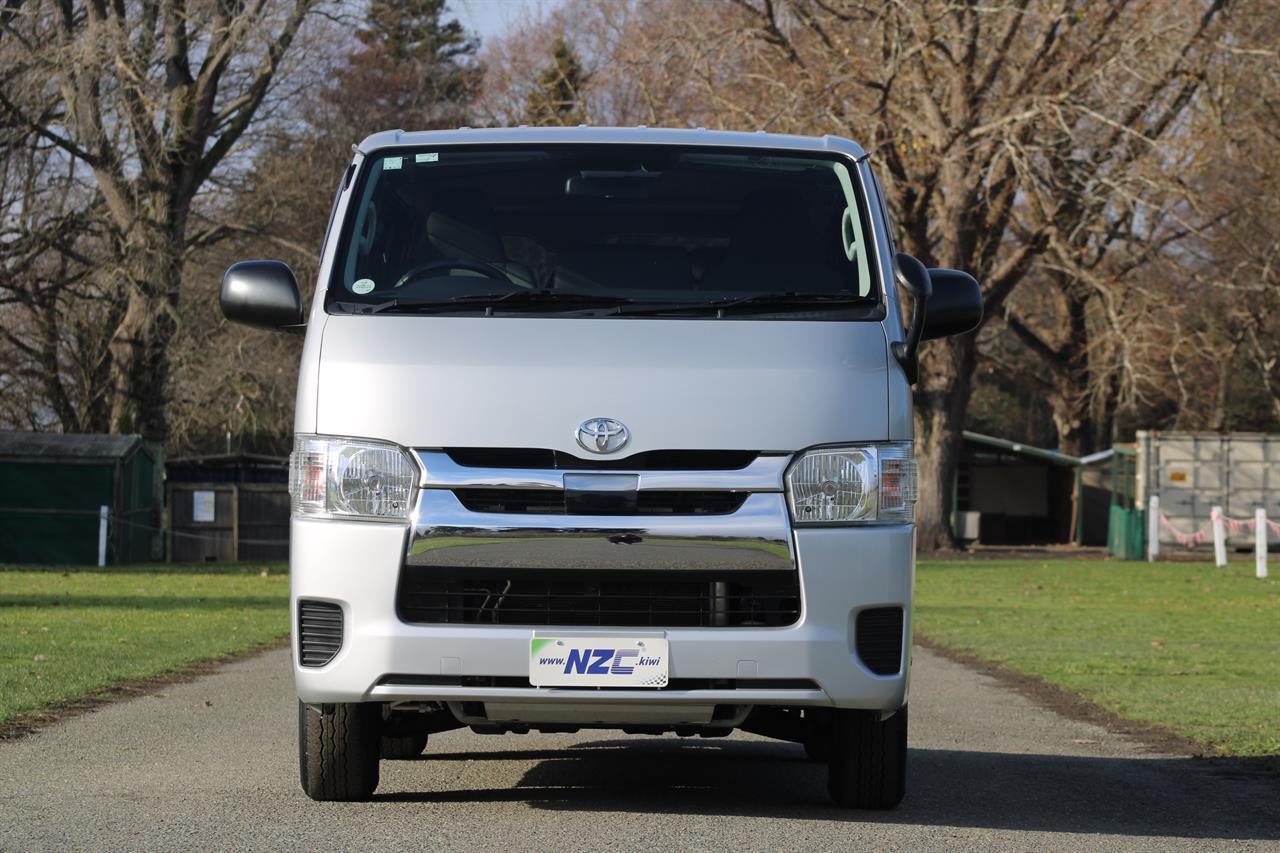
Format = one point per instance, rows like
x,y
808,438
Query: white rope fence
x,y
1217,527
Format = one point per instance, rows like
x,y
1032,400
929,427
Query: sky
x,y
491,18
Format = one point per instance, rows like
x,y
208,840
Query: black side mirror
x,y
263,294
914,278
955,306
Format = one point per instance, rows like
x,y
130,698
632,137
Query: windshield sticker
x,y
429,157
389,163
362,286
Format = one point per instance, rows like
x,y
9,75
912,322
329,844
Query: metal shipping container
x,y
1194,472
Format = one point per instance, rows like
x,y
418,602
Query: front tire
x,y
817,736
817,748
338,750
867,767
403,747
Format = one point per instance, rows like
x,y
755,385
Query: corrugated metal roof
x,y
67,445
1018,447
1038,452
1100,456
230,459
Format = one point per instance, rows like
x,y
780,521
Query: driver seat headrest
x,y
461,227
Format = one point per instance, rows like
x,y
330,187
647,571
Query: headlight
x,y
863,484
350,478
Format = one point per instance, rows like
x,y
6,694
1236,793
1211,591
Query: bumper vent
x,y
575,598
319,631
879,639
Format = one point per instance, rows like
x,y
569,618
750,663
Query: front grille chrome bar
x,y
763,474
755,537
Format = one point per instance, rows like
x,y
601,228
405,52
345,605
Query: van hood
x,y
528,382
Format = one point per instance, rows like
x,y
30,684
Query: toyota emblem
x,y
602,435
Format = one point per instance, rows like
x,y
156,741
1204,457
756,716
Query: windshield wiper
x,y
536,297
347,307
761,301
489,300
756,301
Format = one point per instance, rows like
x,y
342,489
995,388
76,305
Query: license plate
x,y
598,662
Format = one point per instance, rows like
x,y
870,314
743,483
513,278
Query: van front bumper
x,y
843,571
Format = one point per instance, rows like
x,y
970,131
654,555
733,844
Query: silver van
x,y
605,428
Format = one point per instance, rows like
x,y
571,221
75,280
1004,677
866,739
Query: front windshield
x,y
605,230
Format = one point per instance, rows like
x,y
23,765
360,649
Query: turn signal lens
x,y
897,490
864,484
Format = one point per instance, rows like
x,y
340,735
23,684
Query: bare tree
x,y
53,248
1003,132
152,97
1240,261
410,65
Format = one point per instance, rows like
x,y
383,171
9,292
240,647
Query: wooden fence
x,y
228,521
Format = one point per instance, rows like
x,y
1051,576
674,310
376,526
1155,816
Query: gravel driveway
x,y
212,763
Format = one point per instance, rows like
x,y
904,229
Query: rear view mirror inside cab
x,y
612,184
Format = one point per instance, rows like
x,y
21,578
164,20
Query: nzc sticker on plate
x,y
598,662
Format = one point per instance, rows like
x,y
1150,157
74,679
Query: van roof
x,y
609,135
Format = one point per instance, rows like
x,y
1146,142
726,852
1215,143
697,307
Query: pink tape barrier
x,y
1202,535
1186,540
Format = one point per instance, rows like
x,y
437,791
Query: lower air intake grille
x,y
434,595
319,631
879,637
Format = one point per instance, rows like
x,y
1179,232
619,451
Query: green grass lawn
x,y
1186,646
68,631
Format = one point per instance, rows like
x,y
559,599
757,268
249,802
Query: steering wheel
x,y
485,269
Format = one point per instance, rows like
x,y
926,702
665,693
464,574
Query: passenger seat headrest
x,y
773,221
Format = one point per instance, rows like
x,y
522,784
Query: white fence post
x,y
1153,528
1219,537
103,513
1260,542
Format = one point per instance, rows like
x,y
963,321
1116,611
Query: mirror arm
x,y
915,280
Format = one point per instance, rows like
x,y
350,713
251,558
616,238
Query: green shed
x,y
55,486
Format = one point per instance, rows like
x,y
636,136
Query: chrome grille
x,y
555,518
650,460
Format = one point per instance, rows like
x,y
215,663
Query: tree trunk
x,y
1069,370
140,344
55,391
942,397
97,382
1073,420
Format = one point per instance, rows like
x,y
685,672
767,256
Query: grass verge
x,y
71,636
1189,648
